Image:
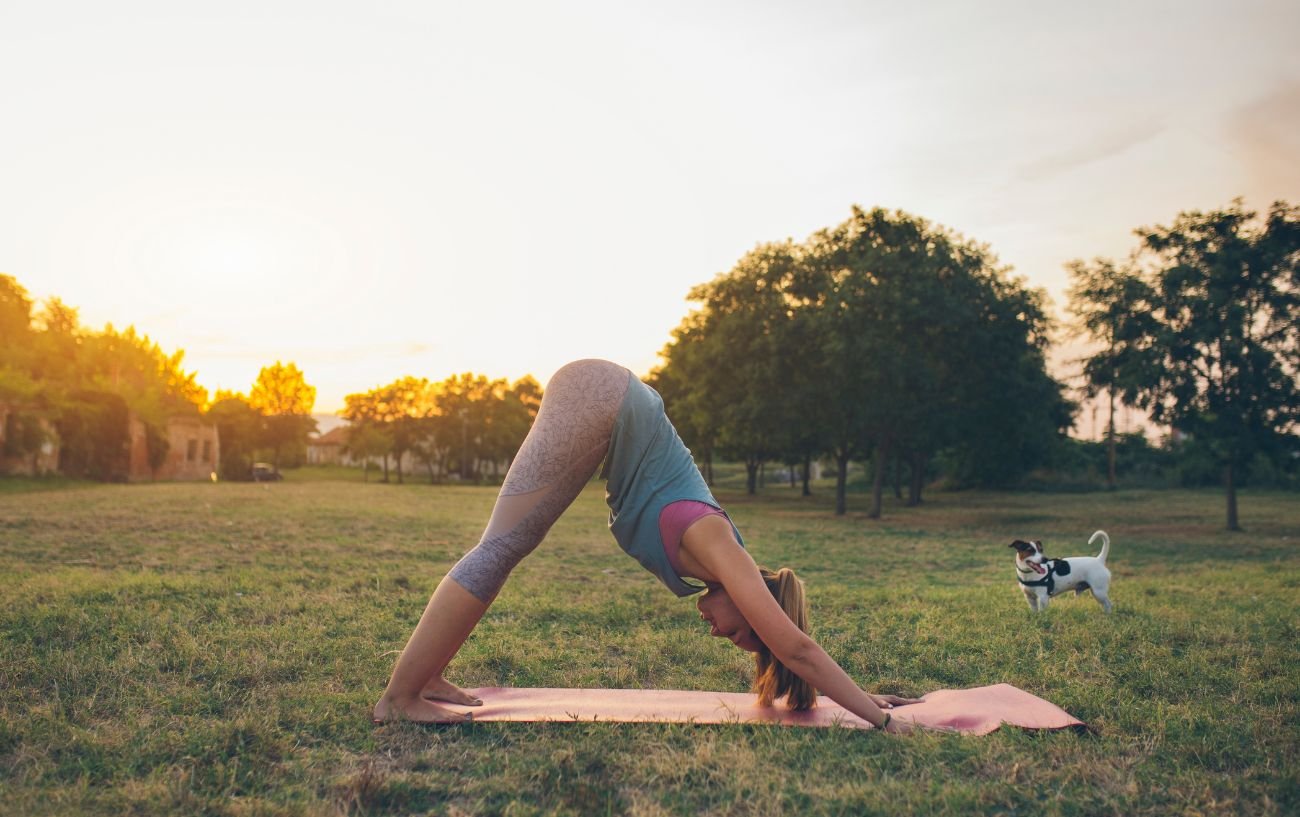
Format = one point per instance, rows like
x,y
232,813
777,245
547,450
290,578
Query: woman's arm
x,y
713,546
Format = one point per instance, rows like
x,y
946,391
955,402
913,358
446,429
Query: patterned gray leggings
x,y
562,451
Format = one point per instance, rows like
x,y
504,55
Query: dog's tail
x,y
1105,544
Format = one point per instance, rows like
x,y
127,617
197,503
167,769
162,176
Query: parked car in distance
x,y
265,472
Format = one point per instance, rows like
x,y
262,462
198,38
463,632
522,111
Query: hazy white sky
x,y
380,189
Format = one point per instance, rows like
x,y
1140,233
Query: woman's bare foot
x,y
417,710
440,689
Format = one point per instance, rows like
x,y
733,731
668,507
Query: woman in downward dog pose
x,y
661,513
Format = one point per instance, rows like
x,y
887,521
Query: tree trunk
x,y
1232,497
807,474
841,480
751,477
878,481
897,460
917,481
385,468
791,466
1110,445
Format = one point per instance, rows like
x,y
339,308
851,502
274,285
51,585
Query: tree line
x,y
466,425
899,343
886,340
62,382
79,387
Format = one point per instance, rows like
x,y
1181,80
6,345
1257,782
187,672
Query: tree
x,y
397,416
678,382
884,337
1218,356
511,412
24,432
403,408
369,435
1110,303
932,346
15,317
153,384
282,395
241,429
744,362
367,441
92,426
463,418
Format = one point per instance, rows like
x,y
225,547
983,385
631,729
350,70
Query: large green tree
x,y
884,337
933,346
742,369
1218,353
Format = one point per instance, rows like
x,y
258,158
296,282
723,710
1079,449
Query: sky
x,y
372,190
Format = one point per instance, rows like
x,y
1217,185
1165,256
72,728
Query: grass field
x,y
215,649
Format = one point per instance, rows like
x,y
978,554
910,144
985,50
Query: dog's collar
x,y
1048,581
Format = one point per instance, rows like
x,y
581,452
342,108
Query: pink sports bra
x,y
675,518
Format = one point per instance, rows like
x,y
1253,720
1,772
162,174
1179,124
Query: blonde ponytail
x,y
772,679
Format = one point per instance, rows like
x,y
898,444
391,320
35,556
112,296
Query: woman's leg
x,y
566,444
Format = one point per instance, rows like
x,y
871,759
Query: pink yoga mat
x,y
975,711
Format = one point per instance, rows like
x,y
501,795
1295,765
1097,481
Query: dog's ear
x,y
1020,545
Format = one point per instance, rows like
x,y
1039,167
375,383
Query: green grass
x,y
215,649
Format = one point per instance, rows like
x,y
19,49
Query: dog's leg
x,y
1101,590
1102,598
1032,598
1043,599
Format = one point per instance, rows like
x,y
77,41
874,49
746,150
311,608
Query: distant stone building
x,y
193,451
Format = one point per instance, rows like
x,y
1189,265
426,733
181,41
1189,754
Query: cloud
x,y
1090,152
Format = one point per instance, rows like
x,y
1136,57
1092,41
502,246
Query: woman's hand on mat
x,y
440,689
888,701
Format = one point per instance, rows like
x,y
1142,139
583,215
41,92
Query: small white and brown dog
x,y
1042,578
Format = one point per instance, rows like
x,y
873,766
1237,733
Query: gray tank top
x,y
647,467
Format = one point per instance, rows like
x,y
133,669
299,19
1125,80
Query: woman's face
x,y
717,608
